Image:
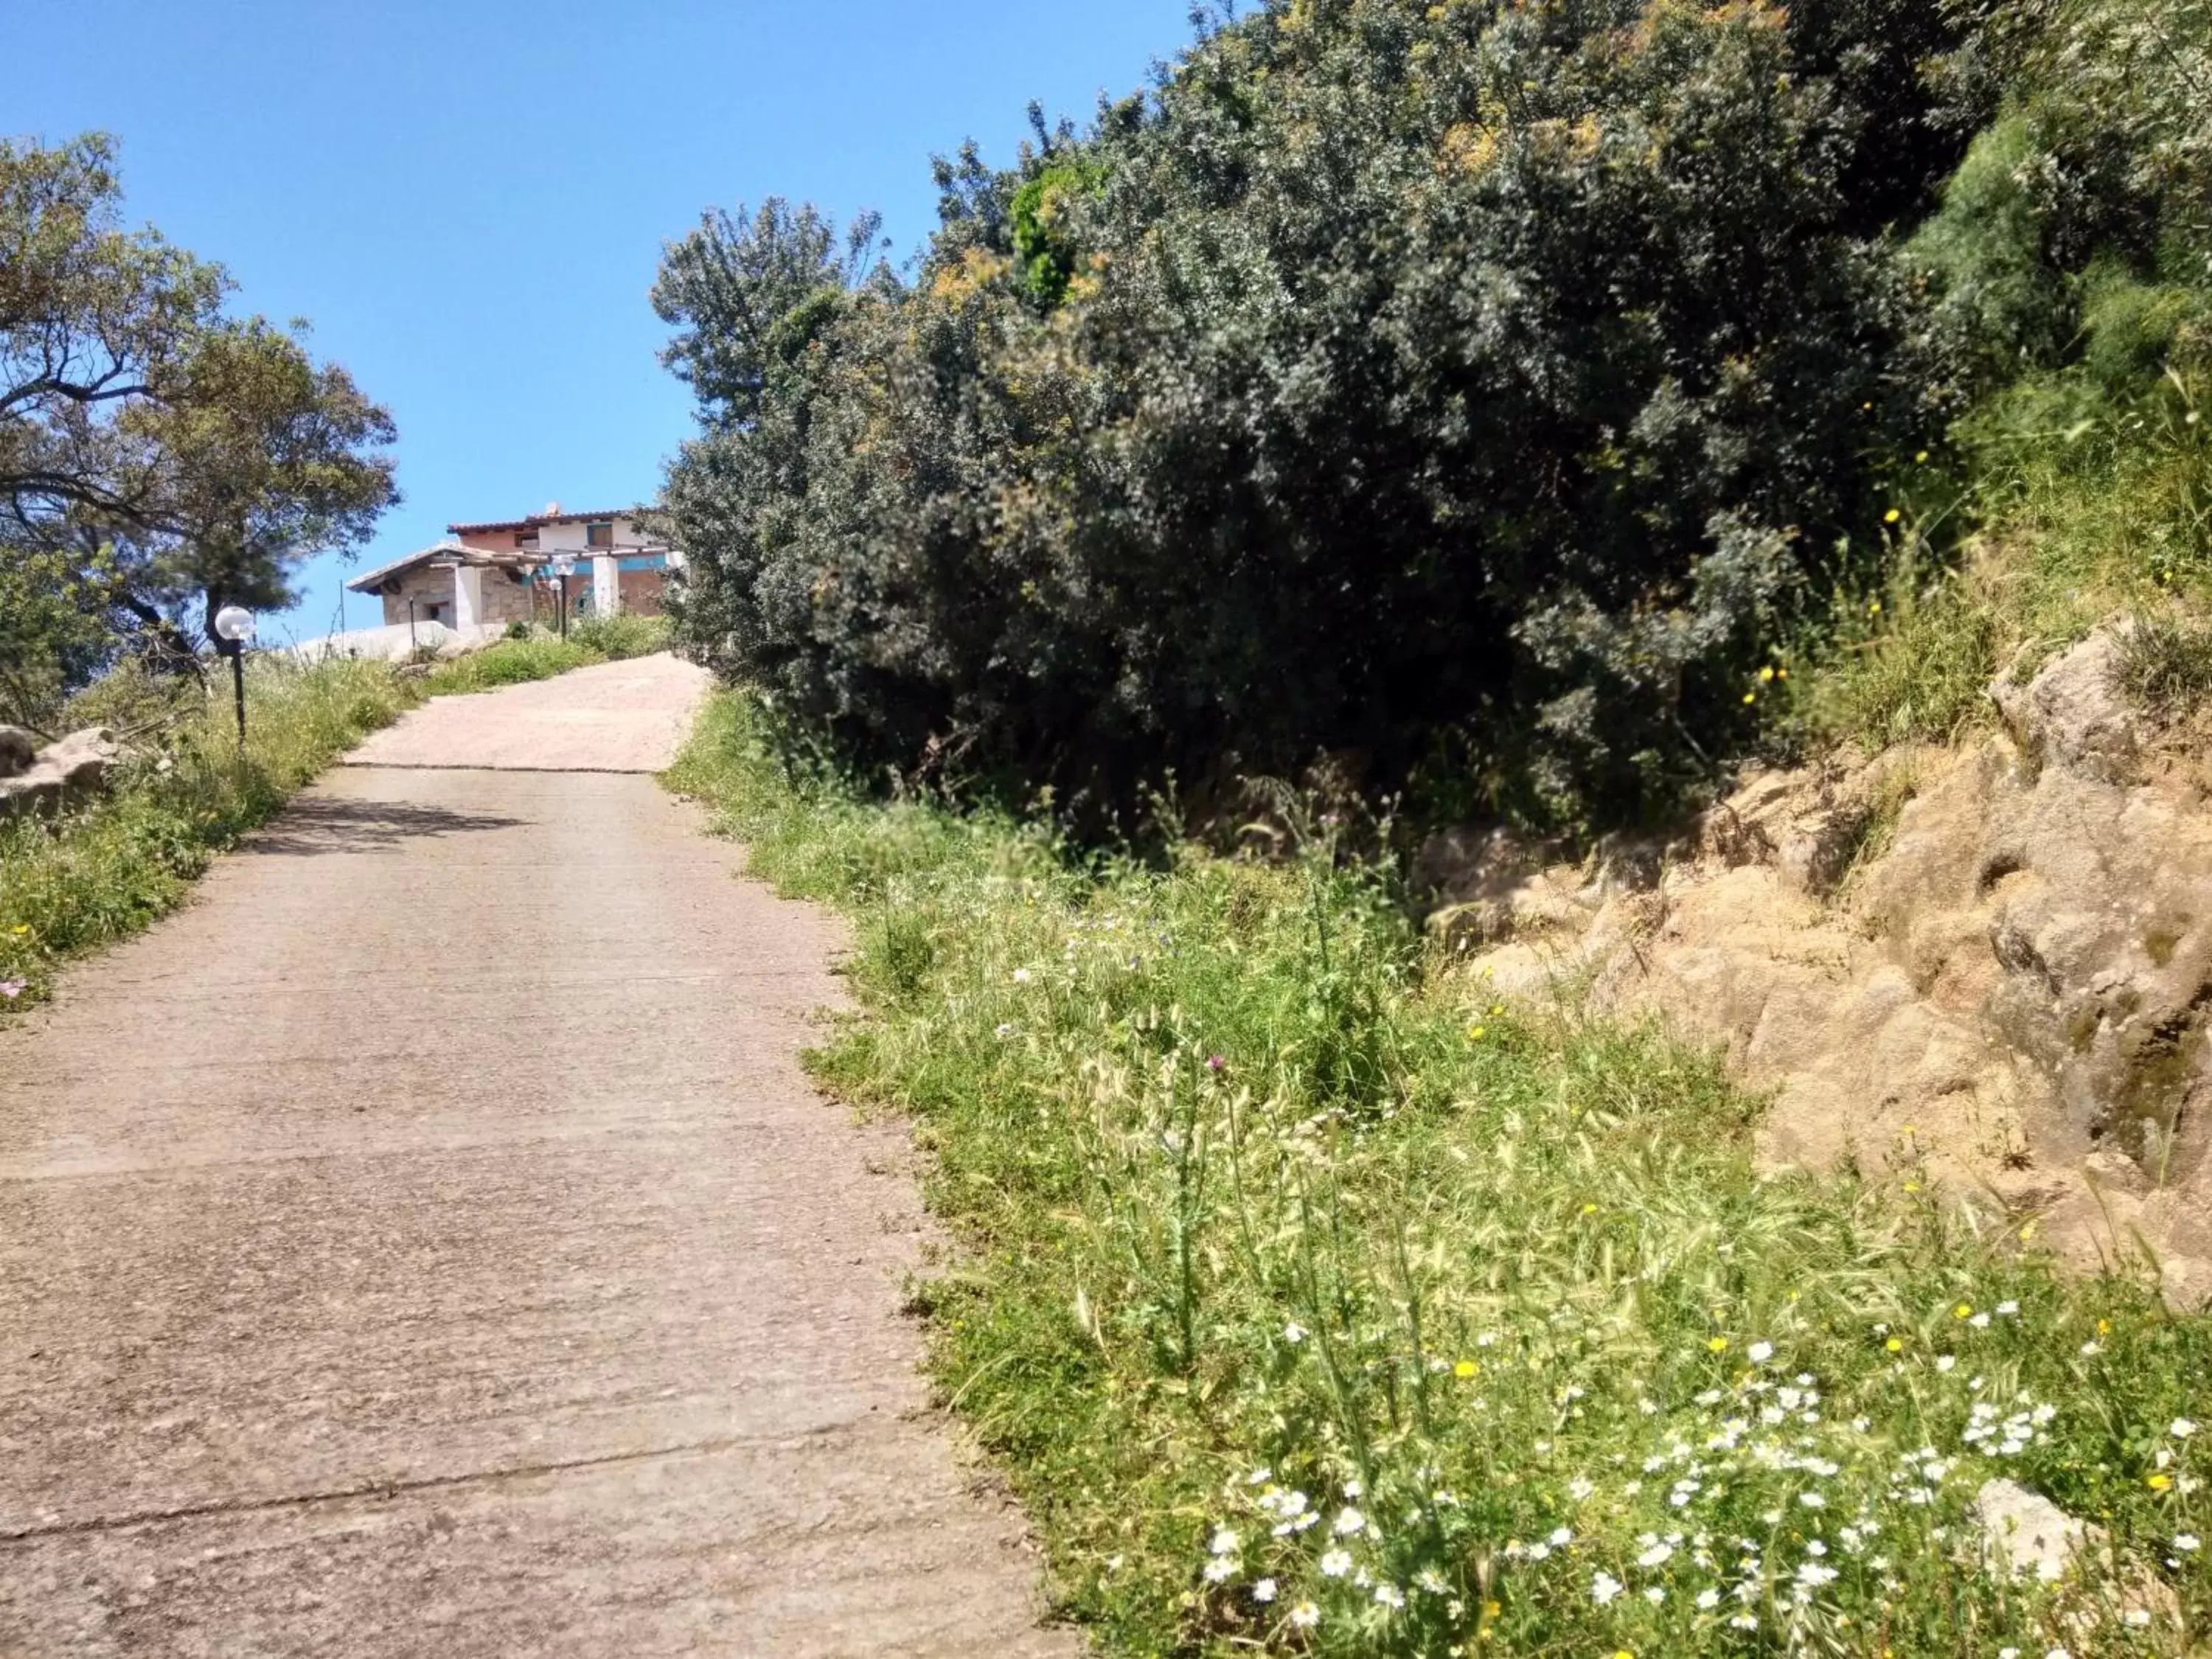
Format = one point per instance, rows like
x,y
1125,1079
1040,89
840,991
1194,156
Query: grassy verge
x,y
106,870
1317,1303
541,656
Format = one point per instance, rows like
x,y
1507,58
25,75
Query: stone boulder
x,y
18,749
1989,964
62,774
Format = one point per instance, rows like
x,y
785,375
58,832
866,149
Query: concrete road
x,y
426,1243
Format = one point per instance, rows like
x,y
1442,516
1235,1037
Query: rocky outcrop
x,y
1991,965
59,775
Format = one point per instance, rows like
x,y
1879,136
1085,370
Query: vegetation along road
x,y
427,1243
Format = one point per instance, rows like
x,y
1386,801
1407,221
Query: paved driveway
x,y
426,1243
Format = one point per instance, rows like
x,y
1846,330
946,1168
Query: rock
x,y
63,774
2074,713
2011,997
18,748
2028,1537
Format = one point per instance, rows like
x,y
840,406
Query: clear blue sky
x,y
468,197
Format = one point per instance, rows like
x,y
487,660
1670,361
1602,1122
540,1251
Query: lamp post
x,y
564,566
234,625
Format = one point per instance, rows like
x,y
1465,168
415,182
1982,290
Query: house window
x,y
598,535
435,613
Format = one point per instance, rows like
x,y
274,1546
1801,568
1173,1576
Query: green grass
x,y
104,870
542,655
1264,1216
2081,503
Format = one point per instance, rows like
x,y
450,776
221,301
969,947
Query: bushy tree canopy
x,y
1480,386
159,458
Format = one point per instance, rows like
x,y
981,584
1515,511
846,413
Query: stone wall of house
x,y
504,600
431,590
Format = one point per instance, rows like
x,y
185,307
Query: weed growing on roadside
x,y
1319,1303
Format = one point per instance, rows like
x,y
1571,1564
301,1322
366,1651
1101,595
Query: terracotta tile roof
x,y
538,519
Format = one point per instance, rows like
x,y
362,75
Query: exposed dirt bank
x,y
1994,960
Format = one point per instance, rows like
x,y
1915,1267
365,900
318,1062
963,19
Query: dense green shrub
x,y
1482,378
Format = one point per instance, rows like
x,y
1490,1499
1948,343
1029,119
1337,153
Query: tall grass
x,y
1318,1301
103,871
2081,501
541,655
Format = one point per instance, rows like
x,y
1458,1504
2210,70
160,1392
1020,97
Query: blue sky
x,y
468,197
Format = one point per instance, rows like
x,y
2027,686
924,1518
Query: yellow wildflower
x,y
1466,1369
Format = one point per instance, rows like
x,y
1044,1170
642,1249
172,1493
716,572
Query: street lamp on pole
x,y
234,626
564,566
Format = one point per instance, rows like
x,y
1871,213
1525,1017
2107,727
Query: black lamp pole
x,y
238,686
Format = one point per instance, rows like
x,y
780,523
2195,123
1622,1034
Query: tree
x,y
156,455
93,319
257,459
1498,381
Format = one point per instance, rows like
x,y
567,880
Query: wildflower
x,y
1348,1522
1767,675
1944,1361
1294,1332
1221,1569
1215,1062
12,988
2006,1309
1304,1616
2091,1348
1264,1590
1895,1345
1708,1599
1655,1554
1579,1489
1466,1369
1761,1352
1476,1033
1021,975
1003,1030
1224,1543
1390,1595
2161,1482
1718,1345
1655,1595
1892,516
2187,1542
1605,1588
2181,1428
1334,1564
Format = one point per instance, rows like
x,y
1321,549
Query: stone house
x,y
486,575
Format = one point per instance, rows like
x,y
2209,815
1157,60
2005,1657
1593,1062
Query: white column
x,y
468,597
606,584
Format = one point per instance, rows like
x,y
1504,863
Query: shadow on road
x,y
317,825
